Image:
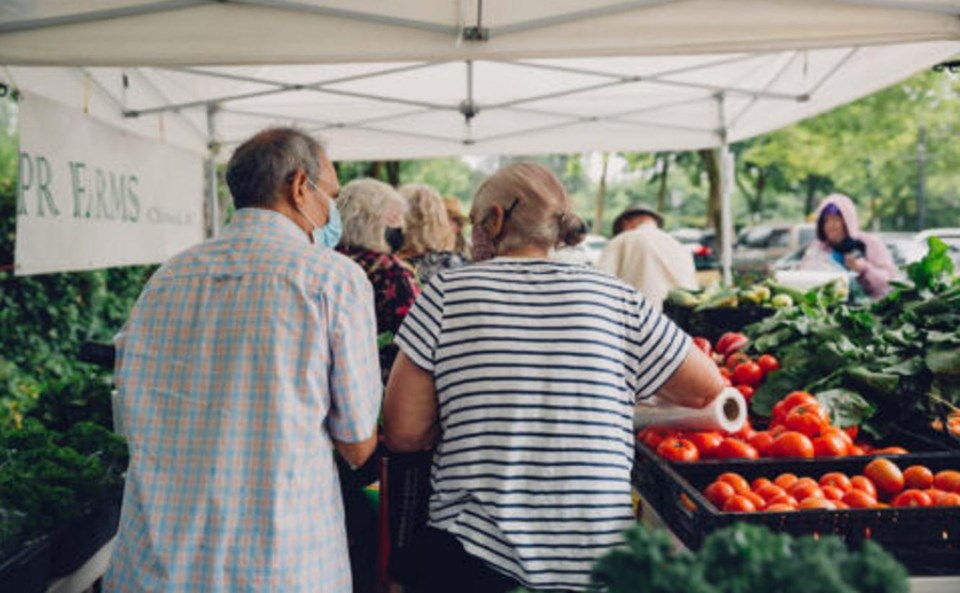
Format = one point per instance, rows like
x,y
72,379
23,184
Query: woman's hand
x,y
854,263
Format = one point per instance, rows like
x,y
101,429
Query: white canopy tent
x,y
428,78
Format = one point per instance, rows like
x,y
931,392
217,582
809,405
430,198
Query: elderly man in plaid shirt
x,y
246,362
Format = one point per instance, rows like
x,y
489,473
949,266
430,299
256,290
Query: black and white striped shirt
x,y
537,366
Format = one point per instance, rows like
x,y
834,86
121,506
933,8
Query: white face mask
x,y
329,234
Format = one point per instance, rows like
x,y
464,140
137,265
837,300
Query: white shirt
x,y
651,261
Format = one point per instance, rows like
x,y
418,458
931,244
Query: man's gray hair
x,y
263,164
365,205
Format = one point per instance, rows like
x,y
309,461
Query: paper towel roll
x,y
727,412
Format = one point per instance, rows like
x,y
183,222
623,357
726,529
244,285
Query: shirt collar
x,y
263,221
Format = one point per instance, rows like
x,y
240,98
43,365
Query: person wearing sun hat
x,y
645,257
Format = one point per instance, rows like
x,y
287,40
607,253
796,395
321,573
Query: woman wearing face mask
x,y
521,373
372,213
429,239
839,239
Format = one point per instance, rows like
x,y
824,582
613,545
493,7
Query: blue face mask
x,y
329,234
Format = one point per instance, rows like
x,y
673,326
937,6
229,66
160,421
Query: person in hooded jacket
x,y
840,239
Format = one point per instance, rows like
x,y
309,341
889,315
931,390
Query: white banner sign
x,y
92,196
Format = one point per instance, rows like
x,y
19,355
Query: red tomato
x,y
738,482
770,491
796,398
783,499
761,441
747,391
745,432
791,444
779,413
885,475
950,499
832,492
759,483
890,451
917,476
739,503
947,480
858,499
652,437
785,480
817,503
856,450
805,419
912,498
677,449
805,488
732,448
863,484
704,345
718,492
747,373
840,434
768,363
829,445
706,442
735,359
758,502
837,479
852,431
779,507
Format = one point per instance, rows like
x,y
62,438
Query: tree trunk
x,y
601,197
811,195
662,191
711,165
393,173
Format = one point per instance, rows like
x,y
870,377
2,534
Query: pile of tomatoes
x,y
738,369
881,485
799,428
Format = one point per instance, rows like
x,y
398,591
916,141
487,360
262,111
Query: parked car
x,y
702,244
586,253
759,247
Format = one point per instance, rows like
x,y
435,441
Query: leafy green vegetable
x,y
900,356
746,558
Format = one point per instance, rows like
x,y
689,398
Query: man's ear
x,y
298,187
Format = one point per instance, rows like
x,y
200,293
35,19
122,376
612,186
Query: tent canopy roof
x,y
440,77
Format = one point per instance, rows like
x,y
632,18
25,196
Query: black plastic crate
x,y
926,540
713,323
28,569
77,541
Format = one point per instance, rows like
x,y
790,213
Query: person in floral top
x,y
429,238
372,211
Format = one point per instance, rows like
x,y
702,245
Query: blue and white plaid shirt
x,y
242,359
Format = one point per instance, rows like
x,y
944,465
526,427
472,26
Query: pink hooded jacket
x,y
875,279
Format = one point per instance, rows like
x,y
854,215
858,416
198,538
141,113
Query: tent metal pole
x,y
934,7
579,15
726,195
352,15
212,198
100,15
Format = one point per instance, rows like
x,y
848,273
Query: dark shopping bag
x,y
407,492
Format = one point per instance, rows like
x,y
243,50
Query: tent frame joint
x,y
476,33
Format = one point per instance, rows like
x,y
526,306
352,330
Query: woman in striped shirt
x,y
522,374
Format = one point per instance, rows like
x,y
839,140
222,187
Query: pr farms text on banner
x,y
92,196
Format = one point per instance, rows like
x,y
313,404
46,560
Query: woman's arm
x,y
410,408
696,382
